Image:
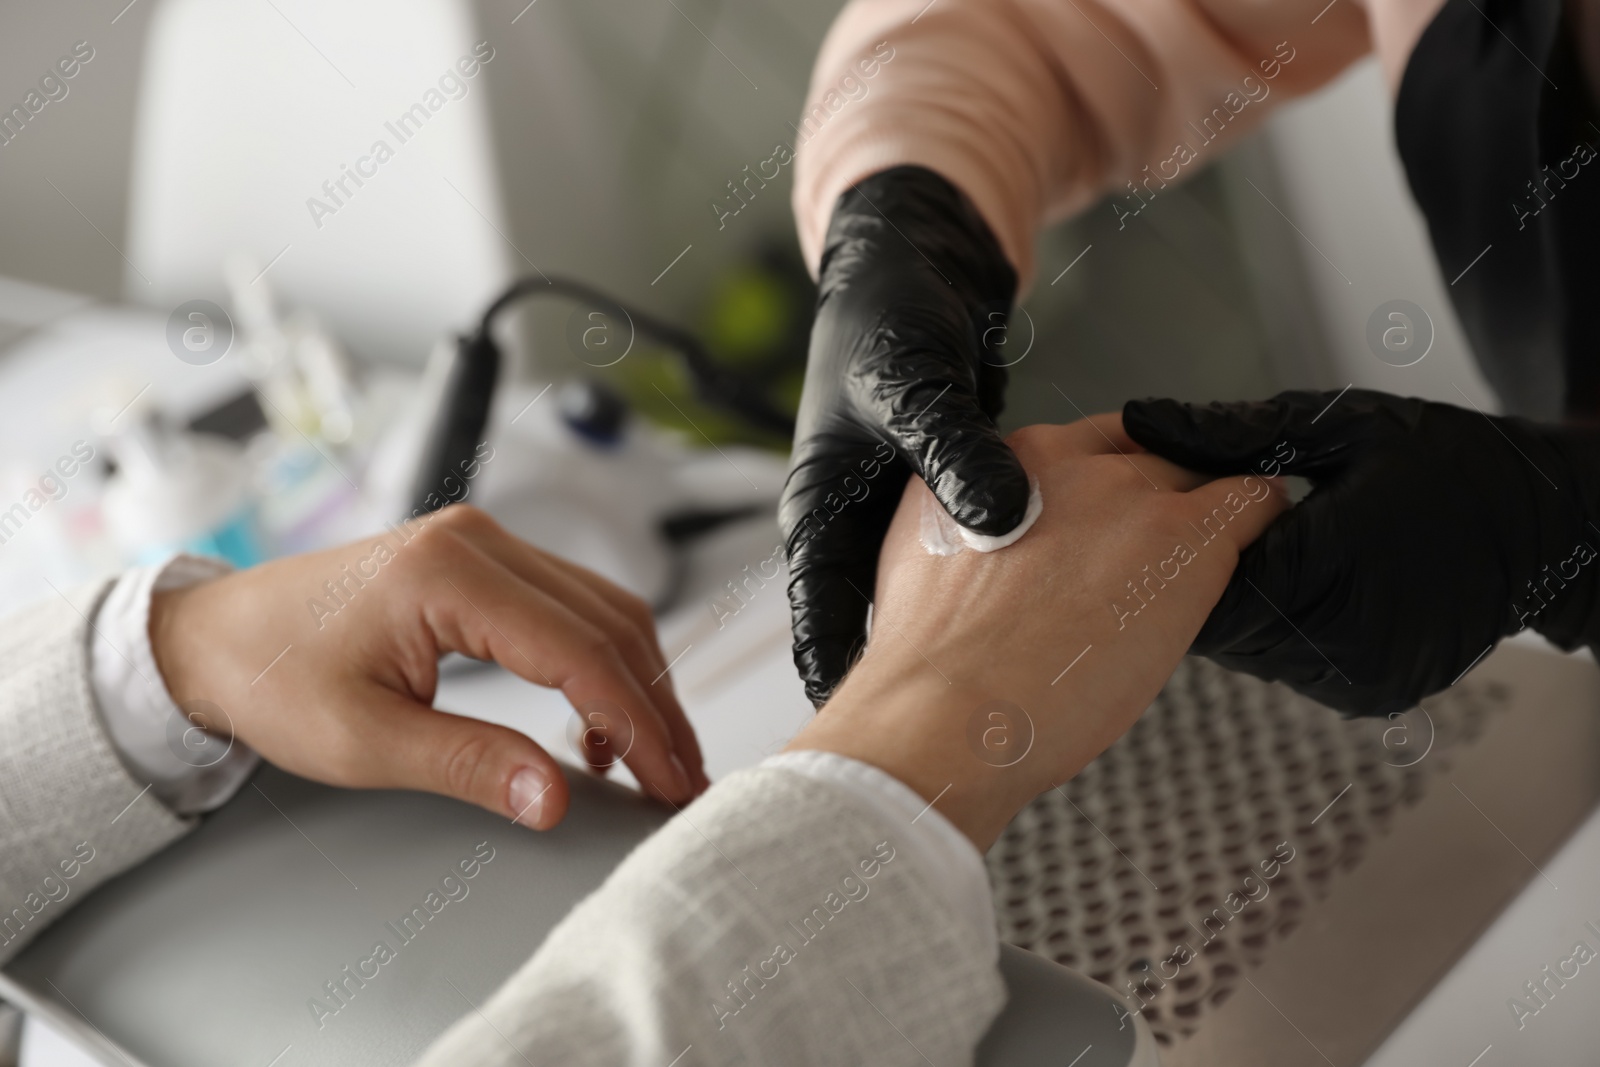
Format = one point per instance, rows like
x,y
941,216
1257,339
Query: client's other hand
x,y
991,677
326,664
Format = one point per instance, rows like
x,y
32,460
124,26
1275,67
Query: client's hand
x,y
992,677
326,664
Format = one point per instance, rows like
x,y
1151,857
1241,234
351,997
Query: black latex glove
x,y
1432,532
913,288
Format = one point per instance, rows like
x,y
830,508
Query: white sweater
x,y
774,921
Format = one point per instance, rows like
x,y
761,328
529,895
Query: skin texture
x,y
904,374
1414,552
953,633
350,701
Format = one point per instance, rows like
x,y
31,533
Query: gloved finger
x,y
1287,572
828,606
950,441
1314,434
1339,648
837,505
1242,507
992,382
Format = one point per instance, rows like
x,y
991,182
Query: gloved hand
x,y
914,289
1432,532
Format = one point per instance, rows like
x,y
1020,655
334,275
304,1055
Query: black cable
x,y
714,383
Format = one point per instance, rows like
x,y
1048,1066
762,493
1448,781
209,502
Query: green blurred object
x,y
757,318
748,317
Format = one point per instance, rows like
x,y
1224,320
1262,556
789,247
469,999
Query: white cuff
x,y
950,862
189,770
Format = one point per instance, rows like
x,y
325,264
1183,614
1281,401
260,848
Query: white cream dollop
x,y
943,536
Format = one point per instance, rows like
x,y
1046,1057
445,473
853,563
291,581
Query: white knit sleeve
x,y
779,920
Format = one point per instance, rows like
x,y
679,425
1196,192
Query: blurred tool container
x,y
179,492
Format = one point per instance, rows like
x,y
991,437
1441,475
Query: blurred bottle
x,y
179,492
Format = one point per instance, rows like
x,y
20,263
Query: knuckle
x,y
1126,475
637,647
637,611
464,518
440,543
432,539
1041,440
467,765
1029,436
592,645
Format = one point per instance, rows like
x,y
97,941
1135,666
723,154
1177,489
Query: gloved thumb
x,y
955,447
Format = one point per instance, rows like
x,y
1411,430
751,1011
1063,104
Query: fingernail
x,y
680,776
527,796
